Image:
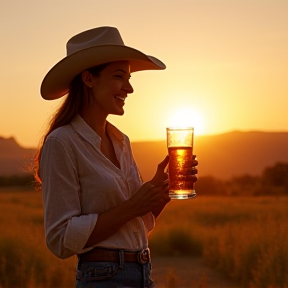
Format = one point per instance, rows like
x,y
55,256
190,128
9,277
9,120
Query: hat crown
x,y
88,49
94,37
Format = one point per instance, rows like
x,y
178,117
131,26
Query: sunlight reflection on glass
x,y
186,117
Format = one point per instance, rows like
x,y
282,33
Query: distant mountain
x,y
14,159
222,156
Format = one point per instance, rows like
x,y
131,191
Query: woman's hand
x,y
194,170
154,193
161,176
151,197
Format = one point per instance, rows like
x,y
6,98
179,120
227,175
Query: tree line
x,y
23,181
272,181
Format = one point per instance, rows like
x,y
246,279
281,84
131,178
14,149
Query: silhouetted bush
x,y
243,185
176,242
273,181
276,176
208,185
17,180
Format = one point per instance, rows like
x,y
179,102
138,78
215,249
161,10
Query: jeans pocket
x,y
96,271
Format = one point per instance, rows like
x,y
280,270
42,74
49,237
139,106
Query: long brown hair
x,y
78,96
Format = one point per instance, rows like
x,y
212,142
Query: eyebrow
x,y
120,70
123,71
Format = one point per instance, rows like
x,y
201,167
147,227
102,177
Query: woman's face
x,y
111,88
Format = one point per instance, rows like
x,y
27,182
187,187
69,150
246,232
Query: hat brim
x,y
57,81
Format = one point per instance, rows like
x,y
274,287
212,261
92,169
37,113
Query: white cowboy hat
x,y
91,48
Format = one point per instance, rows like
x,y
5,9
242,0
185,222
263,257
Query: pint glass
x,y
180,149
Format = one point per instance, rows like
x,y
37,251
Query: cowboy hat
x,y
88,49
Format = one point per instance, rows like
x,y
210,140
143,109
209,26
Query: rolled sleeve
x,y
67,231
79,228
149,221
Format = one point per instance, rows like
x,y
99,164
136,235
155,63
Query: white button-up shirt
x,y
79,182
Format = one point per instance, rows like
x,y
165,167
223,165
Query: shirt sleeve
x,y
67,231
149,221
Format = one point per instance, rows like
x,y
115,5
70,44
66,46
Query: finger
x,y
161,166
161,188
193,178
163,180
160,175
194,162
194,171
165,185
147,186
165,196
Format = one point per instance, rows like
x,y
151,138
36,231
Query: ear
x,y
87,78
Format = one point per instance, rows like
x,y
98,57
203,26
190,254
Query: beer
x,y
180,174
180,150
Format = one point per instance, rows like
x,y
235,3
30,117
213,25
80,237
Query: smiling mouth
x,y
119,97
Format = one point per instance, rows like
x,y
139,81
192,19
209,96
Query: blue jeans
x,y
113,275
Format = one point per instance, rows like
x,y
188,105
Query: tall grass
x,y
24,259
243,238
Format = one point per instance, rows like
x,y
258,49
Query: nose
x,y
127,87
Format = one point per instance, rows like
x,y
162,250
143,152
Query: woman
x,y
95,204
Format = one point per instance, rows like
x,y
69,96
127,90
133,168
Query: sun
x,y
187,117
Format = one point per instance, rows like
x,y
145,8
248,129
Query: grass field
x,y
245,239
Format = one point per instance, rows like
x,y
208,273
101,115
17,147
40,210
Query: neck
x,y
96,120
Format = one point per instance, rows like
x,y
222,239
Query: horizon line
x,y
161,139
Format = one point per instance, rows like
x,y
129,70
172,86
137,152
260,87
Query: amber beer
x,y
180,149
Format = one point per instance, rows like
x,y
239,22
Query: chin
x,y
119,113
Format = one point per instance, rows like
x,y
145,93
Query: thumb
x,y
162,165
160,173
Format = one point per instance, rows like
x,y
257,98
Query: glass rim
x,y
180,128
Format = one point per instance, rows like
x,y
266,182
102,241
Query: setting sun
x,y
186,117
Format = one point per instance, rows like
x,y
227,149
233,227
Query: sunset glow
x,y
227,64
186,117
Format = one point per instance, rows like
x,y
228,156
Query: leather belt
x,y
113,255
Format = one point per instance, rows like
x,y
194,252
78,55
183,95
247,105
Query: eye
x,y
119,76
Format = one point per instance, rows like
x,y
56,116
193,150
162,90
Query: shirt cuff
x,y
78,231
149,221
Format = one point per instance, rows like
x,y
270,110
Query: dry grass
x,y
24,259
243,238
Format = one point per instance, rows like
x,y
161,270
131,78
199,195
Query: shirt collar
x,y
86,132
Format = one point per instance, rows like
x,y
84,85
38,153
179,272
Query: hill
x,y
14,159
221,156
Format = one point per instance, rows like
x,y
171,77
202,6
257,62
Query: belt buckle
x,y
143,256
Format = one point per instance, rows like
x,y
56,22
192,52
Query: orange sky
x,y
227,62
